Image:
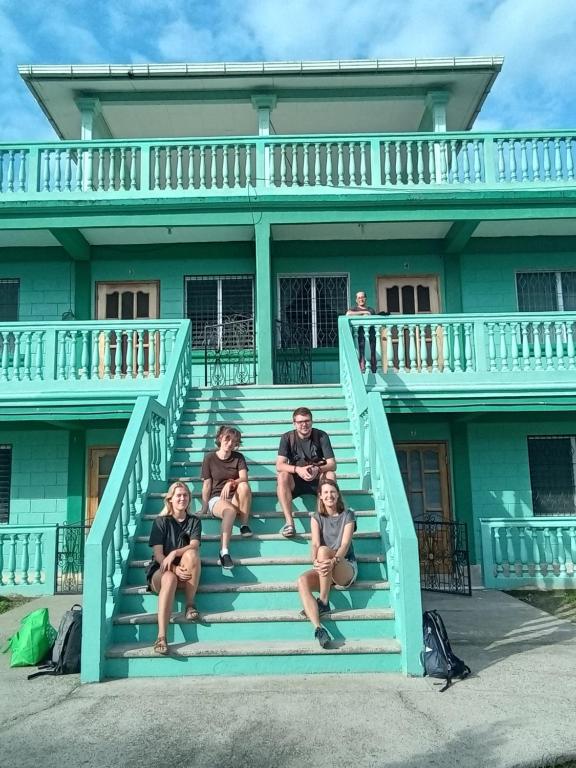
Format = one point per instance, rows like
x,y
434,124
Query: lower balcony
x,y
443,361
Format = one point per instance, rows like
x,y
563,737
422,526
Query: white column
x,y
89,107
436,102
264,103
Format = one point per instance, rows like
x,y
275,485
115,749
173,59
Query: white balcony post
x,y
89,107
263,103
436,102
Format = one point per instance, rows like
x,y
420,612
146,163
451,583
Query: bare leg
x,y
284,492
227,512
191,561
325,553
308,582
243,500
165,585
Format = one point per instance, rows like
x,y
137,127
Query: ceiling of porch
x,y
349,231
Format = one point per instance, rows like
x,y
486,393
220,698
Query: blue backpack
x,y
437,658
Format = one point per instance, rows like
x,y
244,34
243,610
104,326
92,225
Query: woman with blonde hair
x,y
226,492
334,562
175,540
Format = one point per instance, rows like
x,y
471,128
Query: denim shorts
x,y
353,578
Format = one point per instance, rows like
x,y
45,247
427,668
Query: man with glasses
x,y
305,453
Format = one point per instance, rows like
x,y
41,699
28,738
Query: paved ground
x,y
517,710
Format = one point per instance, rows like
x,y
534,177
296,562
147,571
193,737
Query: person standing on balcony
x,y
175,541
361,309
226,493
333,559
305,454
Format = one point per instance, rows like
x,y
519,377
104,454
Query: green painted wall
x,y
44,291
500,478
489,277
39,487
170,264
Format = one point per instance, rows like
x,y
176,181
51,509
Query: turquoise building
x,y
183,256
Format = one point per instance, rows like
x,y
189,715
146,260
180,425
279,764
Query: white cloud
x,y
534,36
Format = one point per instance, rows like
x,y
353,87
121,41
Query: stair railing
x,y
142,461
380,472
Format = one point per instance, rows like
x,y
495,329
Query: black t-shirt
x,y
301,452
173,535
356,308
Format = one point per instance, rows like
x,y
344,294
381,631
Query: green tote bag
x,y
33,640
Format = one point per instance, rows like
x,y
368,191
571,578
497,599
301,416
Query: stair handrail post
x,y
355,394
100,586
398,535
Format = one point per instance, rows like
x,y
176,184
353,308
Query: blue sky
x,y
535,88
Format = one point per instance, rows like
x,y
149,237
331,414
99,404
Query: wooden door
x,y
100,463
130,301
424,470
412,295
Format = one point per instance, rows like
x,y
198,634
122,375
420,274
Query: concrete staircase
x,y
251,621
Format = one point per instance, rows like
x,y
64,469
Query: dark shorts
x,y
304,487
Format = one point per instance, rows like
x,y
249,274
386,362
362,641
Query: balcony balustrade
x,y
58,355
537,552
286,164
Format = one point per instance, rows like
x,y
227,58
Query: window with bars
x,y
546,291
221,300
312,305
552,461
5,478
9,294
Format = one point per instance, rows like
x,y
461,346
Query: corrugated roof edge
x,y
31,71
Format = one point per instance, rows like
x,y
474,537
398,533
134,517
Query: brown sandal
x,y
161,646
192,613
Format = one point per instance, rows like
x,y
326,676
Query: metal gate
x,y
69,570
230,353
444,560
292,354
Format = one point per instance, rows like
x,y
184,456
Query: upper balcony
x,y
275,168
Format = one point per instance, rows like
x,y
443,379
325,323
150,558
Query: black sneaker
x,y
323,608
245,530
322,636
226,561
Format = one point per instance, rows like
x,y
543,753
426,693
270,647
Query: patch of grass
x,y
558,602
7,603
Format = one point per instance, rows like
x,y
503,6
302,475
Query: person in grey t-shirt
x,y
333,558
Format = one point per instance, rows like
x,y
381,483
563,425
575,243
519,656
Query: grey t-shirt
x,y
332,529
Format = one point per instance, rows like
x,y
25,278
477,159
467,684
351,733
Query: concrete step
x,y
301,394
265,544
234,595
256,569
256,422
267,522
347,481
254,625
263,502
263,439
255,658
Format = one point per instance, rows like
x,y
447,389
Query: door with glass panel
x,y
413,295
130,301
100,463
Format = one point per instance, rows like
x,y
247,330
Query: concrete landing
x,y
516,710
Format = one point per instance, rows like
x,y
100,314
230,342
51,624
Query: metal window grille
x,y
312,305
546,291
9,293
552,462
5,479
215,300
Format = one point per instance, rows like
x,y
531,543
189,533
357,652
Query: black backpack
x,y
437,658
65,659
